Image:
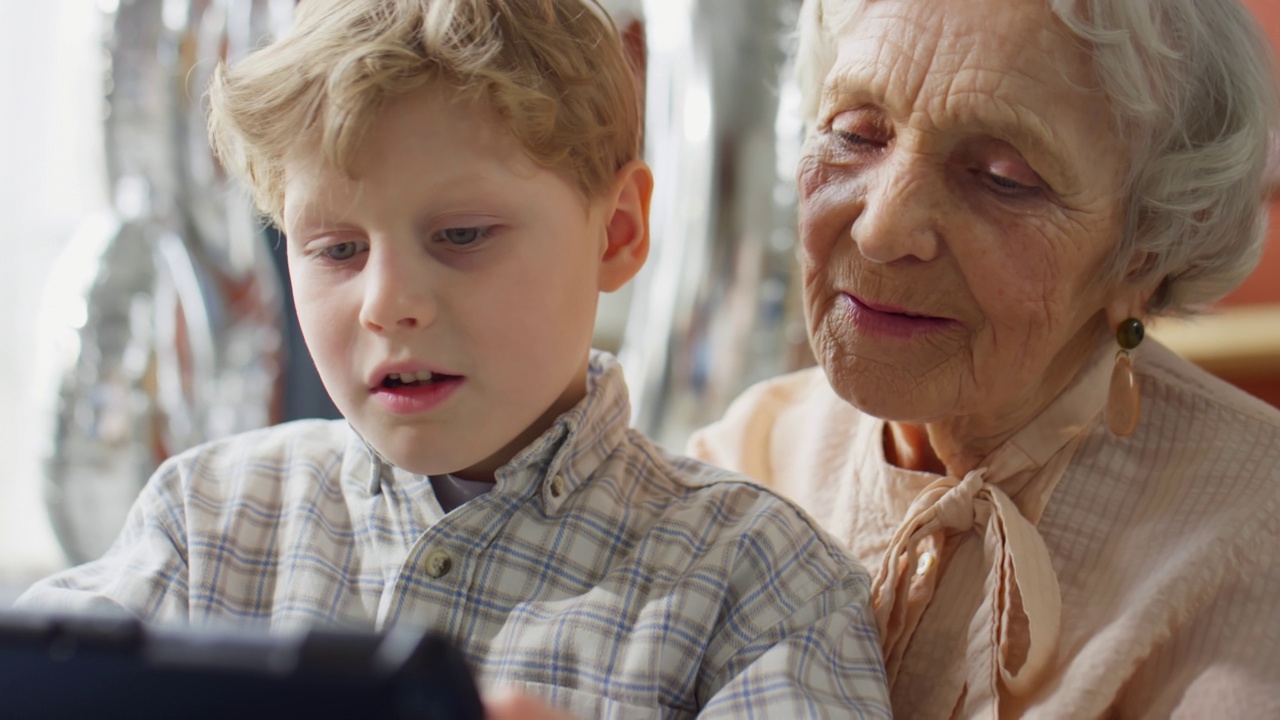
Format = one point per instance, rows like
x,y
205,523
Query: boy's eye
x,y
341,251
462,235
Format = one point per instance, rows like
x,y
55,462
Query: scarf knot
x,y
1014,634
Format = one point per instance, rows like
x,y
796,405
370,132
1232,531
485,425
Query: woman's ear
x,y
626,244
1133,292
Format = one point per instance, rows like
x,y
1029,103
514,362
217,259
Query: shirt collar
x,y
556,463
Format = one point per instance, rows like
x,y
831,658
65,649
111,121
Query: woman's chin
x,y
889,391
873,398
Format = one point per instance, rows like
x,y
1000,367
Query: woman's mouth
x,y
879,320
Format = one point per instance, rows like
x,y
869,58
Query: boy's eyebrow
x,y
308,218
318,206
295,217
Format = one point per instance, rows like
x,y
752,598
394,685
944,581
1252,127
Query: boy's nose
x,y
396,298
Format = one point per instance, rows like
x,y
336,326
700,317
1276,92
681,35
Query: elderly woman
x,y
996,195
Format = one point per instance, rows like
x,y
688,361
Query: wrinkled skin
x,y
965,178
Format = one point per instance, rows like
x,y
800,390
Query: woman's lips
x,y
887,321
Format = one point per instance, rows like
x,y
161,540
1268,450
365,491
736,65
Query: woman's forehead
x,y
998,47
1002,68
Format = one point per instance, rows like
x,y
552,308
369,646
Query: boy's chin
x,y
412,462
437,449
421,461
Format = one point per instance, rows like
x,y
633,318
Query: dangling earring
x,y
1123,404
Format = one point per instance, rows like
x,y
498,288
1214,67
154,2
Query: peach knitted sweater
x,y
1075,574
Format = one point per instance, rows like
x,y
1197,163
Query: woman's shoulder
x,y
1178,385
773,419
1204,450
1170,532
1214,429
778,393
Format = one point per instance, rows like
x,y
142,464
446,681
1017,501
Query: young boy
x,y
458,180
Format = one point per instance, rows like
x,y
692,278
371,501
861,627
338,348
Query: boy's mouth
x,y
415,392
395,381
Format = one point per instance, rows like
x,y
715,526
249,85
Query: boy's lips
x,y
392,375
417,398
412,388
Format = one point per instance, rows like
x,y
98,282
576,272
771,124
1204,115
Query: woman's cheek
x,y
813,247
810,176
1036,268
827,214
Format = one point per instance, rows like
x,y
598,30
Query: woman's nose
x,y
397,296
900,212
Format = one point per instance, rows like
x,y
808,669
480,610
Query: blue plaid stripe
x,y
651,586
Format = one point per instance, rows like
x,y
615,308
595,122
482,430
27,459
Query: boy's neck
x,y
487,469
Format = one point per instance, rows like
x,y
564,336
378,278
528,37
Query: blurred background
x,y
51,175
146,310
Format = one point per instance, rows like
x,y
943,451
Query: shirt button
x,y
439,564
557,486
925,563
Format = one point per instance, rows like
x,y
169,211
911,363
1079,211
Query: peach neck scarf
x,y
1013,636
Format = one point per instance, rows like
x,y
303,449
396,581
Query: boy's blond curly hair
x,y
554,70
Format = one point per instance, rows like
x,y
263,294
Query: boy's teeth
x,y
420,376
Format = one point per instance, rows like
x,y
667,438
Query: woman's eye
x,y
861,129
1009,187
854,138
860,140
1006,183
462,236
1007,174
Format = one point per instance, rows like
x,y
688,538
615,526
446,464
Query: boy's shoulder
x,y
665,471
299,447
678,487
312,436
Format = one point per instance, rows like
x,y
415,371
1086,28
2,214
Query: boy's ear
x,y
626,244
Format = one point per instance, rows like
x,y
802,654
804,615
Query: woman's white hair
x,y
1194,92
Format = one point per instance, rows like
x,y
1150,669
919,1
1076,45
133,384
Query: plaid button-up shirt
x,y
601,573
